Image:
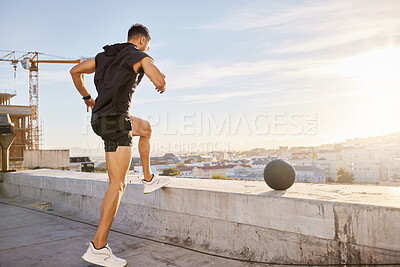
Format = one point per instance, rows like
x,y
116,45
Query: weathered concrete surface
x,y
309,223
32,238
49,158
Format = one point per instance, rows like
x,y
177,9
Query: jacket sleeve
x,y
136,57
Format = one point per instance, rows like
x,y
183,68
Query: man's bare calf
x,y
142,128
118,164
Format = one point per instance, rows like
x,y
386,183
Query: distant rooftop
x,y
307,168
185,169
228,166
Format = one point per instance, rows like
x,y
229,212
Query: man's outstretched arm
x,y
154,74
77,72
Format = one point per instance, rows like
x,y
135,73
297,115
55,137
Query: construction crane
x,y
30,61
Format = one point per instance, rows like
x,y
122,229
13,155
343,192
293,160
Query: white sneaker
x,y
102,257
155,183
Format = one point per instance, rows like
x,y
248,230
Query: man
x,y
118,71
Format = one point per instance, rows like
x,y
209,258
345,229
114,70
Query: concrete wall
x,y
305,224
46,158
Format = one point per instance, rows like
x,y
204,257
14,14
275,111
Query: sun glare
x,y
378,76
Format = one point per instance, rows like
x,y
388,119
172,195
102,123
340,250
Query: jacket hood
x,y
114,49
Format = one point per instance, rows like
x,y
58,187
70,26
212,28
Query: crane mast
x,y
30,61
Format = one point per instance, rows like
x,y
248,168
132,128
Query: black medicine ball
x,y
279,174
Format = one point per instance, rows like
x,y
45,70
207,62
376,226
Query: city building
x,y
167,159
21,116
254,173
83,164
186,171
209,171
309,174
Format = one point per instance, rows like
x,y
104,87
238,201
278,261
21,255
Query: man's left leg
x,y
118,164
99,252
142,128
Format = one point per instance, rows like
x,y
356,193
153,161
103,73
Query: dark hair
x,y
138,29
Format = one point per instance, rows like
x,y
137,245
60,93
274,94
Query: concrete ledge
x,y
309,223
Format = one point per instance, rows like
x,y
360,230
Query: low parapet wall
x,y
309,223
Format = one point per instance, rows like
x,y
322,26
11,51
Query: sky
x,y
240,74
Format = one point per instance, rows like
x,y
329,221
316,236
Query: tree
x,y
189,161
248,165
220,176
181,165
171,172
396,177
329,180
100,169
344,177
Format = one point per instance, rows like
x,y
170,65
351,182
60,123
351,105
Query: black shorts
x,y
115,130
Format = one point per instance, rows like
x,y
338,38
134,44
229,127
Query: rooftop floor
x,y
44,239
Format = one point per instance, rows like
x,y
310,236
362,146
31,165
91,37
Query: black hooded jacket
x,y
115,78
